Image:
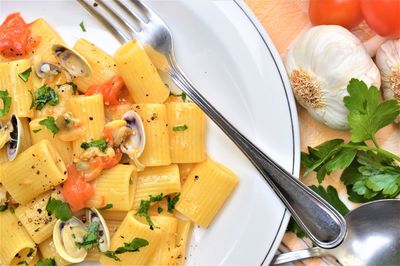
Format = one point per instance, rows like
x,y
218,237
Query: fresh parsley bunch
x,y
370,172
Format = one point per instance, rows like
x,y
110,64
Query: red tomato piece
x,y
15,36
76,191
346,13
383,16
109,162
111,90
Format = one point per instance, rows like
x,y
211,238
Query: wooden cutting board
x,y
284,20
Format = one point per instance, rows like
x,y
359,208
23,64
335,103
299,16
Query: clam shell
x,y
74,63
136,141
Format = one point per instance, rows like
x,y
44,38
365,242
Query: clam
x,y
11,135
74,63
45,70
66,235
134,143
93,215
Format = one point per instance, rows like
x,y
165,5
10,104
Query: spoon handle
x,y
322,223
297,255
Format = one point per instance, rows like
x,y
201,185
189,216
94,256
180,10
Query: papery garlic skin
x,y
388,62
320,65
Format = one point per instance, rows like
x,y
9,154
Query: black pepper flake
x,y
33,155
95,4
38,172
65,172
147,95
33,167
196,177
90,118
122,237
19,223
37,229
39,211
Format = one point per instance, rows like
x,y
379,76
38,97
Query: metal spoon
x,y
373,238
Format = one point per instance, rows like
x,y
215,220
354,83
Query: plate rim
x,y
293,117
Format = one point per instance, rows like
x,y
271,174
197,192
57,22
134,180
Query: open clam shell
x,y
93,215
11,135
135,143
45,70
65,236
74,63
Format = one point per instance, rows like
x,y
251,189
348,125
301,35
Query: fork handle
x,y
321,222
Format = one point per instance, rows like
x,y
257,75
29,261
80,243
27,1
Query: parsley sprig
x,y
91,239
99,143
60,209
25,75
44,95
370,172
172,202
133,246
6,99
50,123
46,262
145,206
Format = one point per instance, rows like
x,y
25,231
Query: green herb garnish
x,y
74,87
22,262
50,123
3,207
108,206
99,143
160,210
133,246
111,254
172,202
145,206
182,95
46,262
6,99
30,253
25,75
370,172
82,26
180,128
12,210
44,95
91,239
60,209
36,130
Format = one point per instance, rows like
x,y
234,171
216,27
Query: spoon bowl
x,y
372,238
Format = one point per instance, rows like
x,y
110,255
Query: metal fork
x,y
323,224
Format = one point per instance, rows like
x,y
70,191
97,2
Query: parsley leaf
x,y
22,262
145,206
50,123
180,128
133,246
36,130
46,262
108,206
60,209
3,207
91,238
25,75
44,95
82,26
30,253
160,210
99,143
172,202
331,196
366,113
182,95
6,99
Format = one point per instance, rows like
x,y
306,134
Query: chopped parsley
x,y
160,210
182,95
145,206
99,143
180,128
74,87
172,202
30,253
22,262
6,99
82,26
133,246
44,95
46,262
50,123
25,75
36,130
91,239
3,207
60,209
108,206
12,210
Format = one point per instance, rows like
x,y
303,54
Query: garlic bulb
x,y
388,62
320,65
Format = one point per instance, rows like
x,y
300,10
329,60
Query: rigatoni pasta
x,y
35,171
139,74
186,124
107,158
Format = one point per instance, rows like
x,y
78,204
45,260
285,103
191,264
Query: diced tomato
x,y
107,133
76,190
15,37
109,162
113,91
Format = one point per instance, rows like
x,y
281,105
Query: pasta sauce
x,y
15,37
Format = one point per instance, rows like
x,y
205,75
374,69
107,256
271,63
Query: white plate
x,y
228,56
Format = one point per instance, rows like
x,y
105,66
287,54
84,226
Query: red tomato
x,y
111,162
346,13
111,90
15,36
76,190
107,133
383,16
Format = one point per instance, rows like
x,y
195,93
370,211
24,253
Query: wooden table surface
x,y
284,20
